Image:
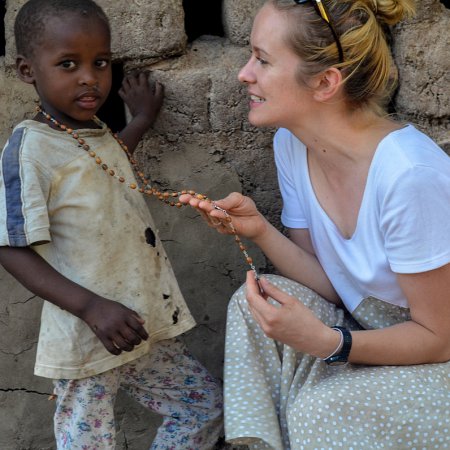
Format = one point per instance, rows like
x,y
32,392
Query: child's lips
x,y
88,101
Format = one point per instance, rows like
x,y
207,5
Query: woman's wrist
x,y
330,343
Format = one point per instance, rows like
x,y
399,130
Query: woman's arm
x,y
424,339
295,259
296,262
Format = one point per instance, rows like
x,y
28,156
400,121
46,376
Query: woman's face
x,y
276,97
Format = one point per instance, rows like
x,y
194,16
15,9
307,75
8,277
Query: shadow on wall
x,y
195,12
113,110
201,17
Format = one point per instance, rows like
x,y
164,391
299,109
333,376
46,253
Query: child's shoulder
x,y
40,145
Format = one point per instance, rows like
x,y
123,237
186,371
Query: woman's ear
x,y
327,84
24,69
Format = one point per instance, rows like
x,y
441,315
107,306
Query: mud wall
x,y
200,141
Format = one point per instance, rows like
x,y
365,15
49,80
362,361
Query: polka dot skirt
x,y
278,399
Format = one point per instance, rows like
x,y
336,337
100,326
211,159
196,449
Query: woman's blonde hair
x,y
360,25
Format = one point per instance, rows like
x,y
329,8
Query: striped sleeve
x,y
23,193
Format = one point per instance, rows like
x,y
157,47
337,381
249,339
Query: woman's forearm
x,y
295,263
407,343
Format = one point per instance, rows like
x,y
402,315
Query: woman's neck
x,y
339,142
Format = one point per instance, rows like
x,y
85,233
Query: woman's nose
x,y
245,74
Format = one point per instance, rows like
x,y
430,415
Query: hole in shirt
x,y
150,237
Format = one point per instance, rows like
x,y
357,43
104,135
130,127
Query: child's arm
x,y
118,327
144,102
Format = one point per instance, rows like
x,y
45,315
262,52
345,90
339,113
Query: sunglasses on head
x,y
323,13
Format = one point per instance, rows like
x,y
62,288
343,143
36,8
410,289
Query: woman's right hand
x,y
241,215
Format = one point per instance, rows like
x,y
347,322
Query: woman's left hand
x,y
291,322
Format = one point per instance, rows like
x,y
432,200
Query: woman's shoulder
x,y
408,147
407,161
285,143
408,150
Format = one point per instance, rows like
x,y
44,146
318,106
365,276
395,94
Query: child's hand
x,y
143,99
118,327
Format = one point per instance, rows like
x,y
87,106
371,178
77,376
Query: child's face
x,y
71,68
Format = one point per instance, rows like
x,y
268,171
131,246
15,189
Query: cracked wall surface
x,y
202,141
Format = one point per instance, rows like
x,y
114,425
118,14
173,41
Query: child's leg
x,y
84,416
171,382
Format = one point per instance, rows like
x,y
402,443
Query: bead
x,y
151,191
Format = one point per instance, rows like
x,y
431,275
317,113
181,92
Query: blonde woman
x,y
349,348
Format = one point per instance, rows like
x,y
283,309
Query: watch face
x,y
338,362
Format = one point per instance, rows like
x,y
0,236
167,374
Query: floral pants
x,y
168,381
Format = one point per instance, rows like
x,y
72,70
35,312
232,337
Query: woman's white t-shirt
x,y
403,224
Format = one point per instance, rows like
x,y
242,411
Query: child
x,y
76,232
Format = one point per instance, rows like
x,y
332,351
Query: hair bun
x,y
391,12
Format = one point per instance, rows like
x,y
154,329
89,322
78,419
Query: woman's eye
x,y
260,60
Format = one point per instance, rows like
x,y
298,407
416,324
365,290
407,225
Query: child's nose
x,y
88,78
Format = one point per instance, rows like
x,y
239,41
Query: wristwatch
x,y
341,357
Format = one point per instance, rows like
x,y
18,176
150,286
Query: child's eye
x,y
67,64
102,63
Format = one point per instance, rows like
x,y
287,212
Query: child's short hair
x,y
30,21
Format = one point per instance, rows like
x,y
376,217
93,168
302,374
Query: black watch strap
x,y
342,356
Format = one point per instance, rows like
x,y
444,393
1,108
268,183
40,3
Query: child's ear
x,y
24,69
327,84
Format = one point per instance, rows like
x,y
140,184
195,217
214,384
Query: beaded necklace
x,y
167,197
